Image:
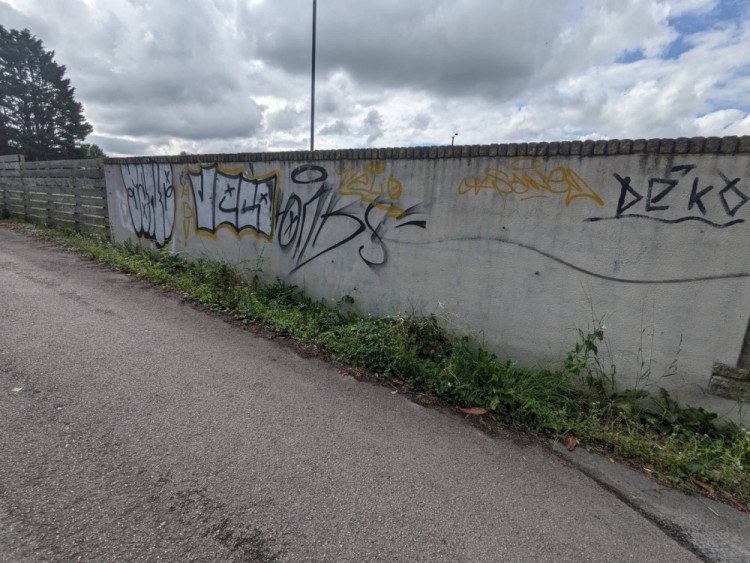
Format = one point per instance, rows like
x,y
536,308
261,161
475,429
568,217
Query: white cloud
x,y
233,75
681,7
720,120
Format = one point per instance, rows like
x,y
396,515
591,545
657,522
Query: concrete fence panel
x,y
519,244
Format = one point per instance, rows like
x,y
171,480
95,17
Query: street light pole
x,y
453,137
312,82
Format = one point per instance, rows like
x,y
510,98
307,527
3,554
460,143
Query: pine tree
x,y
39,116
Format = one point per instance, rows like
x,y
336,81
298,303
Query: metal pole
x,y
312,95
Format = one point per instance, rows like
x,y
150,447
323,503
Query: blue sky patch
x,y
631,56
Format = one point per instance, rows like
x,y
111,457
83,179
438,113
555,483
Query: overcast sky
x,y
163,76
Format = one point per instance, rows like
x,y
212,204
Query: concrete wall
x,y
520,245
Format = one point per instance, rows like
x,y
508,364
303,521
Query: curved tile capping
x,y
681,145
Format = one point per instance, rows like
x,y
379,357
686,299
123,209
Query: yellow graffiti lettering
x,y
370,184
187,215
526,178
187,208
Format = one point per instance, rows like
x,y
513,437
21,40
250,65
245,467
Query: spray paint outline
x,y
241,173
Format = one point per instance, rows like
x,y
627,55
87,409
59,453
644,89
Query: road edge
x,y
711,530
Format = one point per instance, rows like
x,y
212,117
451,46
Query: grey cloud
x,y
338,127
458,48
190,121
172,56
287,119
184,73
327,100
156,69
113,146
373,125
420,122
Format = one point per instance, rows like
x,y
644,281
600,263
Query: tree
x,y
39,116
92,151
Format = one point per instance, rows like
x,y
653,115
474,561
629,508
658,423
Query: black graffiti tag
x,y
151,200
302,224
665,201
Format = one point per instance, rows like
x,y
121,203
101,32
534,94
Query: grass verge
x,y
679,445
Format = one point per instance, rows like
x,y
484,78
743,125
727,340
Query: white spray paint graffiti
x,y
233,199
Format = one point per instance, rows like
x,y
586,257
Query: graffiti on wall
x,y
151,200
310,226
233,199
187,206
680,195
371,183
357,210
528,179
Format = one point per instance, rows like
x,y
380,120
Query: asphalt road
x,y
134,427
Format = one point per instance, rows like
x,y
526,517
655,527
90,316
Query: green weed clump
x,y
581,399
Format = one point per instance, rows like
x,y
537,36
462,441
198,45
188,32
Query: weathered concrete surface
x,y
136,428
519,243
717,531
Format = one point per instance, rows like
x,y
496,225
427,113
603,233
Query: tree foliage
x,y
39,116
92,151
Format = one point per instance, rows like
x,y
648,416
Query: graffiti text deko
x,y
234,199
680,195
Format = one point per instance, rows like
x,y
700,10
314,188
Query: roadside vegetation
x,y
577,403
